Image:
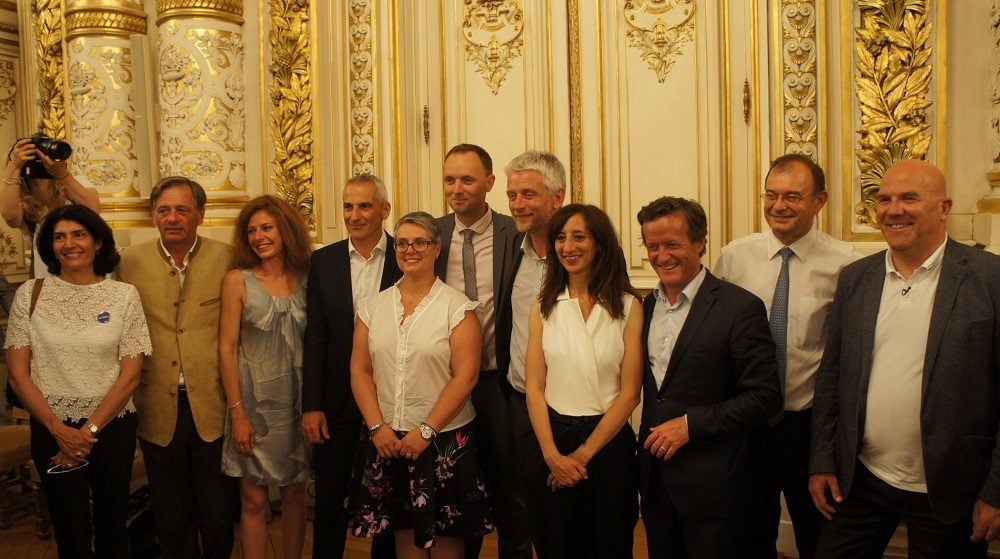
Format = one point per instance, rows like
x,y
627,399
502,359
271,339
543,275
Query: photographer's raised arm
x,y
10,191
75,191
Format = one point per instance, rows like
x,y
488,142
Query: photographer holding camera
x,y
37,180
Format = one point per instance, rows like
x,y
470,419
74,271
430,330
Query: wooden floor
x,y
20,542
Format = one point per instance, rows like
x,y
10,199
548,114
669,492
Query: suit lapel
x,y
702,304
447,230
871,294
390,269
953,269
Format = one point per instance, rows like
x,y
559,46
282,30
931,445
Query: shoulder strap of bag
x,y
36,289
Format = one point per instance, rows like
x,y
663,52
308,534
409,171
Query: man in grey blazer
x,y
907,399
477,257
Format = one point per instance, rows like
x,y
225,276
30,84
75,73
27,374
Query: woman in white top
x,y
75,345
414,364
583,370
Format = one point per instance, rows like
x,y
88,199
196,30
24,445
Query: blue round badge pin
x,y
104,317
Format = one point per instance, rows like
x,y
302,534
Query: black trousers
x,y
527,454
192,499
105,481
780,461
493,431
672,534
333,462
596,517
865,521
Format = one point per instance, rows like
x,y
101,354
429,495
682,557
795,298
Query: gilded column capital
x,y
226,10
120,18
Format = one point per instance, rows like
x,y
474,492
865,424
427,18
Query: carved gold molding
x,y
362,87
291,106
121,19
799,77
575,102
49,52
658,29
8,27
226,10
492,31
893,52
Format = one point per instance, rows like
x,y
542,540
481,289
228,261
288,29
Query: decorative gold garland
x,y
291,104
49,50
361,87
799,77
894,76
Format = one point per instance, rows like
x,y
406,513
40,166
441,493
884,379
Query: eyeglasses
x,y
59,469
793,198
418,245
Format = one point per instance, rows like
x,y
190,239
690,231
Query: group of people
x,y
479,370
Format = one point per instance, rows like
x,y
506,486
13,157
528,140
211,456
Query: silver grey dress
x,y
270,369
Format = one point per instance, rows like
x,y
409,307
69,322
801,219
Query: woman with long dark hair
x,y
583,370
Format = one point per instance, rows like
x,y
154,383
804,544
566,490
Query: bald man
x,y
907,399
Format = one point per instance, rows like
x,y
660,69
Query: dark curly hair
x,y
105,259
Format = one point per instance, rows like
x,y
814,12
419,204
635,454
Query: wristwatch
x,y
427,432
93,428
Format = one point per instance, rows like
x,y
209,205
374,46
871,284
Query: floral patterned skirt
x,y
441,493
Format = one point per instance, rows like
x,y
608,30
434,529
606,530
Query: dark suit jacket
x,y
505,239
505,313
326,359
961,385
724,376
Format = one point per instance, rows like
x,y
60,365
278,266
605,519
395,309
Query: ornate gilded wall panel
x,y
291,105
492,33
798,52
8,88
49,54
893,68
362,86
201,91
658,29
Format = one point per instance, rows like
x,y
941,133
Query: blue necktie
x,y
779,320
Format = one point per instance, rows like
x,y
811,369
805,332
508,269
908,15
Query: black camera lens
x,y
54,149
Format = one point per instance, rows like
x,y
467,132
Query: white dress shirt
x,y
411,357
482,243
527,285
583,358
366,273
666,323
892,447
753,263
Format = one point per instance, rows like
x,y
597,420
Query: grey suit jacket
x,y
960,407
505,240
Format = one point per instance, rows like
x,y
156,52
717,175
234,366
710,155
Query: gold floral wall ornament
x,y
892,59
799,77
658,29
291,105
362,88
49,52
8,89
492,31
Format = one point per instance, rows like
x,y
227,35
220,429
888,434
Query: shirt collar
x,y
379,246
528,249
801,247
480,226
689,291
187,257
932,261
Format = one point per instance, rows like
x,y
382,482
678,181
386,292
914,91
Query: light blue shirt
x,y
666,323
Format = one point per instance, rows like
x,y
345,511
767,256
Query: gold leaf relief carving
x,y
799,80
291,105
892,61
658,29
181,86
8,89
49,54
492,31
361,88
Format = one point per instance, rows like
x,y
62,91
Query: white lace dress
x,y
78,335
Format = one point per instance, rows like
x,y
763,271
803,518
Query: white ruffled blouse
x,y
78,335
